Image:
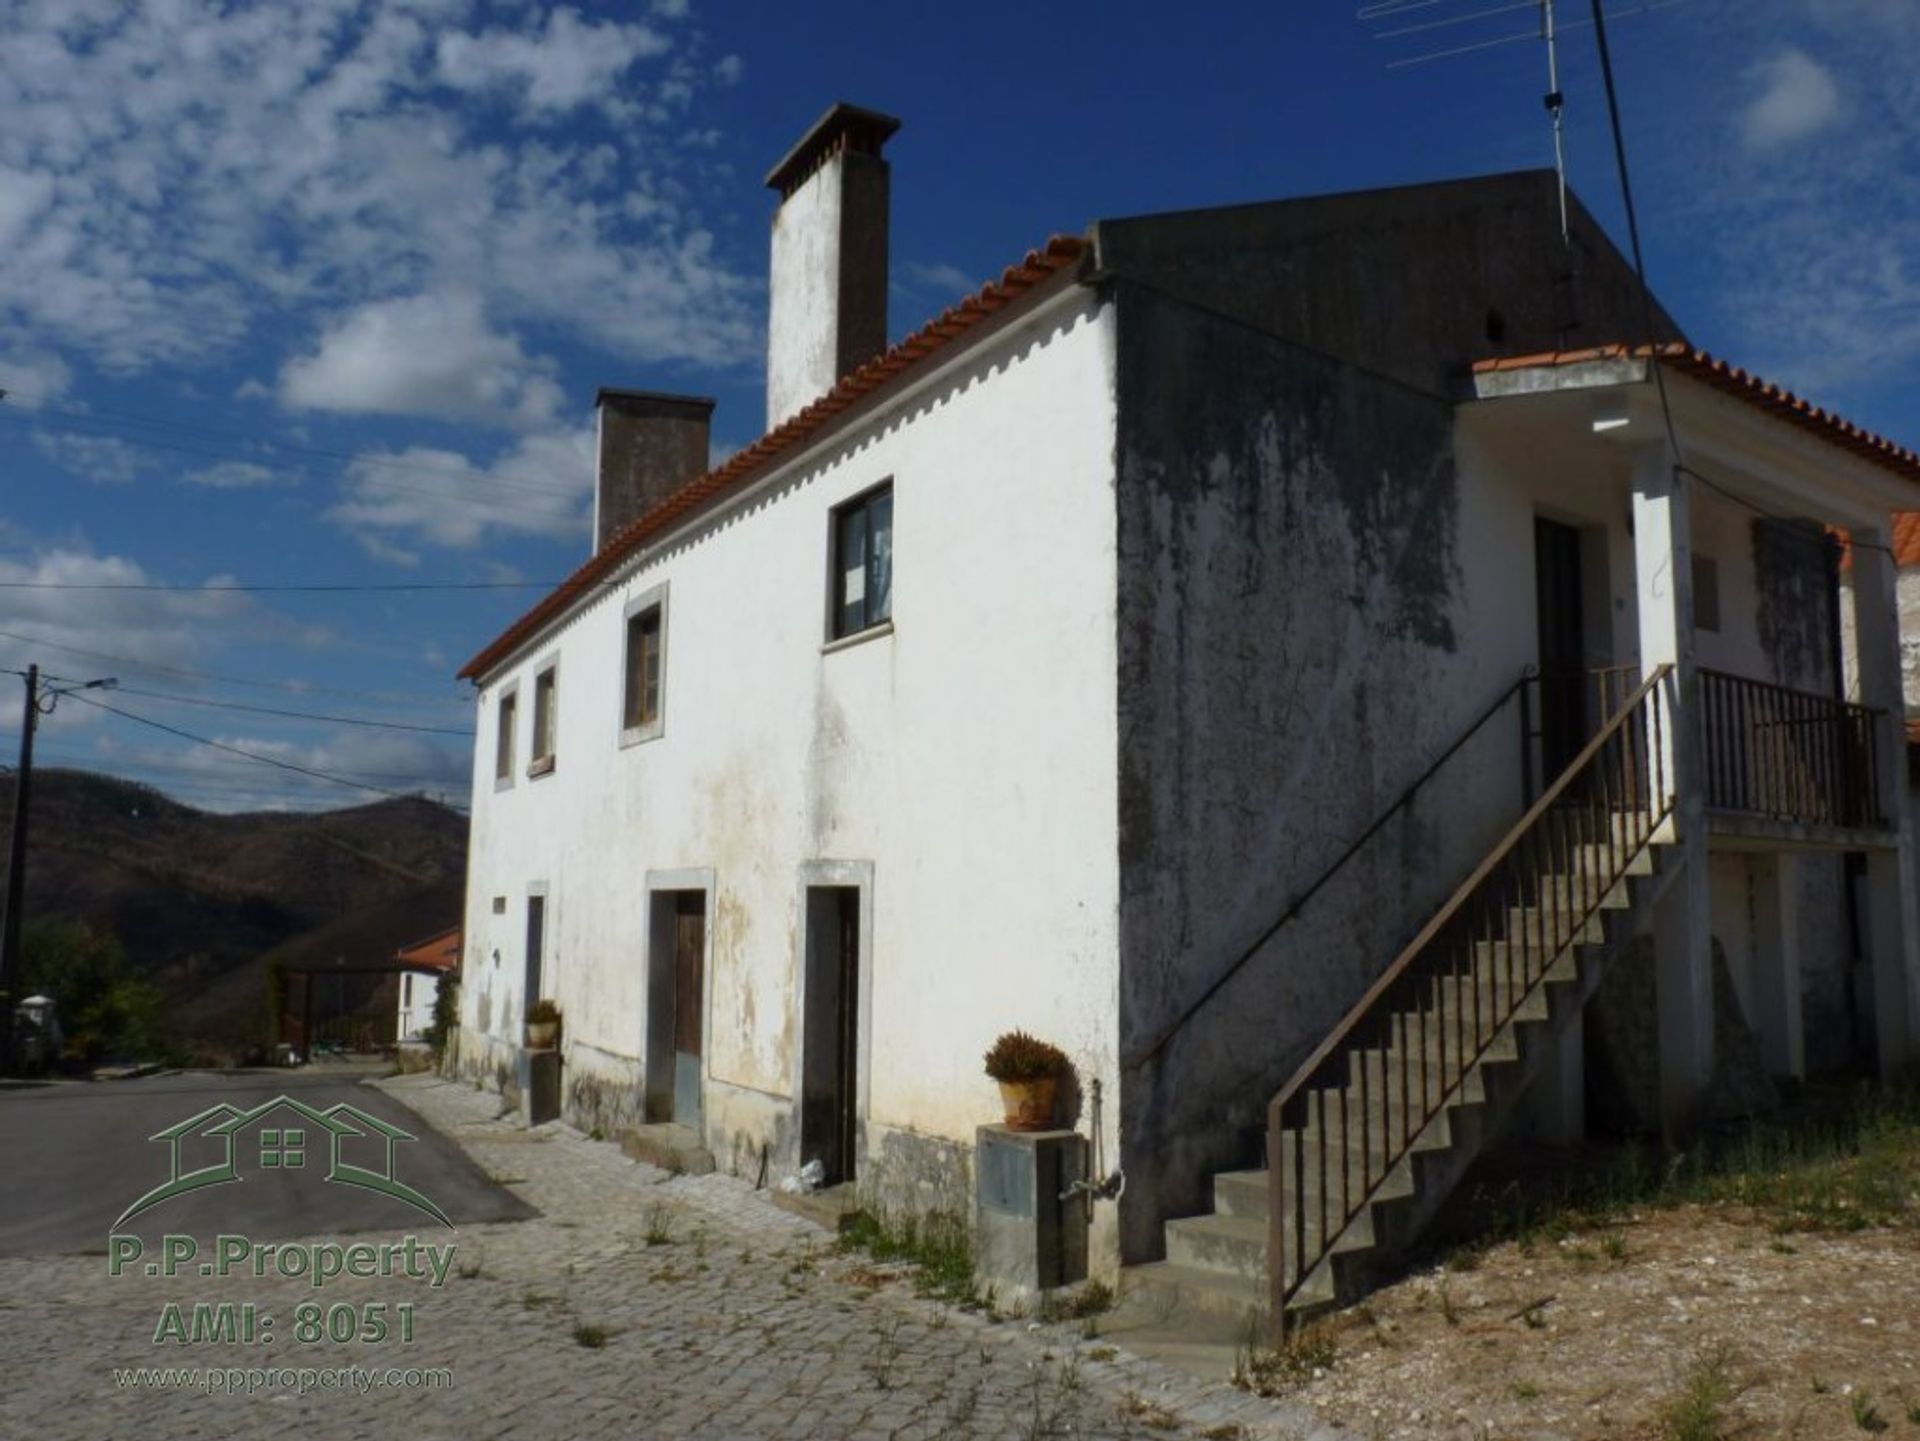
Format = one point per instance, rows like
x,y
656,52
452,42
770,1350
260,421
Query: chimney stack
x,y
827,315
650,445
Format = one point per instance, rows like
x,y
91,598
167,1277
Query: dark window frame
x,y
546,676
506,735
853,523
637,722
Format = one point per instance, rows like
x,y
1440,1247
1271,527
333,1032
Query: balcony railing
x,y
1788,755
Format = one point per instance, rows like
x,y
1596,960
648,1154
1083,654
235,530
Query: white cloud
x,y
936,277
305,161
542,486
98,458
1798,98
555,68
232,475
422,355
31,378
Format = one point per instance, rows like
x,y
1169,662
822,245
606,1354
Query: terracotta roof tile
x,y
1732,379
1060,253
436,953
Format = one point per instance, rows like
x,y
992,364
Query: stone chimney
x,y
827,314
650,446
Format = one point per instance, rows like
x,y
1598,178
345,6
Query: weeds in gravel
x,y
658,1233
1865,1414
940,1245
1449,1310
1302,1354
1613,1246
1696,1412
590,1336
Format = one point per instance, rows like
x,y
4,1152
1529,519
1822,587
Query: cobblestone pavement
x,y
637,1304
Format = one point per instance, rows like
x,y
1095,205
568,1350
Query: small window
x,y
499,905
503,743
406,992
545,703
1706,593
644,672
863,562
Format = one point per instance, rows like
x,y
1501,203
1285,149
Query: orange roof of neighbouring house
x,y
810,424
435,953
1721,375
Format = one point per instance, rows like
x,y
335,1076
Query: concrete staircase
x,y
1373,1161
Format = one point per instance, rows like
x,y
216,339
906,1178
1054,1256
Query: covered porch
x,y
1705,522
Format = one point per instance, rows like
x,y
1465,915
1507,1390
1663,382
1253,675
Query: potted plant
x,y
543,1025
1029,1073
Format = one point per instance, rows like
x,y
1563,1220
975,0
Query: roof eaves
x,y
1060,254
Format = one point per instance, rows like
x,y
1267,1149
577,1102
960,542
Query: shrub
x,y
542,1012
1016,1056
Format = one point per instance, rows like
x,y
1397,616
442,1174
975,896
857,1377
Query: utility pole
x,y
17,878
12,984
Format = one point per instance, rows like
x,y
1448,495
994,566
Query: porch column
x,y
1775,878
1891,906
1683,965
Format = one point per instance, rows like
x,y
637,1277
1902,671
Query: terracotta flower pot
x,y
1029,1104
541,1034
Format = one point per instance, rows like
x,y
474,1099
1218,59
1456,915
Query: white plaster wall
x,y
415,1018
804,303
969,755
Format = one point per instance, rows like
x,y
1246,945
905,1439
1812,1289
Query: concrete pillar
x,y
1683,967
1558,1100
1775,879
1893,915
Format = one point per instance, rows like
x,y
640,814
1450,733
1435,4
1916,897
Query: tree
x,y
105,1009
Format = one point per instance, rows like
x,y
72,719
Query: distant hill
x,y
202,901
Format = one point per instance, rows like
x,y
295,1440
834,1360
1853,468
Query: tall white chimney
x,y
827,314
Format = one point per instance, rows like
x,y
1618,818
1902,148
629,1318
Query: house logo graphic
x,y
298,1131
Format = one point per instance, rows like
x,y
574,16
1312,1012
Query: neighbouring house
x,y
1278,653
421,966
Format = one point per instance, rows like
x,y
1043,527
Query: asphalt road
x,y
74,1156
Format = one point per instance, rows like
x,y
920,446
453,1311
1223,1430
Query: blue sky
x,y
320,294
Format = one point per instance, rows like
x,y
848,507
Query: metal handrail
x,y
1607,803
1786,754
1299,902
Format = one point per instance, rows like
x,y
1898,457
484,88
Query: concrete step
x,y
668,1146
1174,1290
1601,857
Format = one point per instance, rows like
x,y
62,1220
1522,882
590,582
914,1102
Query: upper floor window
x,y
546,700
645,668
504,726
863,562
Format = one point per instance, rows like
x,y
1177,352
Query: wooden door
x,y
689,1004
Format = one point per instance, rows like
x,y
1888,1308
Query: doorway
x,y
830,1043
536,946
1559,591
677,1007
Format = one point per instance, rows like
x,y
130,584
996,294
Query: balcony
x,y
1788,760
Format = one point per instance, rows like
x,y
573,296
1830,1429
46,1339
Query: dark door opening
x,y
536,944
830,1044
689,1003
1564,727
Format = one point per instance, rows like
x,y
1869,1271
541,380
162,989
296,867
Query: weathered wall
x,y
1411,283
968,756
1317,597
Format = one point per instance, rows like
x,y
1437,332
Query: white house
x,y
1280,654
422,964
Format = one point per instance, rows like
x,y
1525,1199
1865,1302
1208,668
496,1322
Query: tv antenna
x,y
1465,27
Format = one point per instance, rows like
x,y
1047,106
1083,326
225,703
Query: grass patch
x,y
658,1232
1844,1159
1302,1354
1865,1414
939,1245
590,1336
1697,1410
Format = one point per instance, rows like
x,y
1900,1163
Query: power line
x,y
327,588
105,419
296,687
293,714
245,754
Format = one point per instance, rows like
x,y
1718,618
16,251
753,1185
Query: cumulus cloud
x,y
422,355
32,378
102,459
1797,98
541,486
312,160
550,68
232,475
